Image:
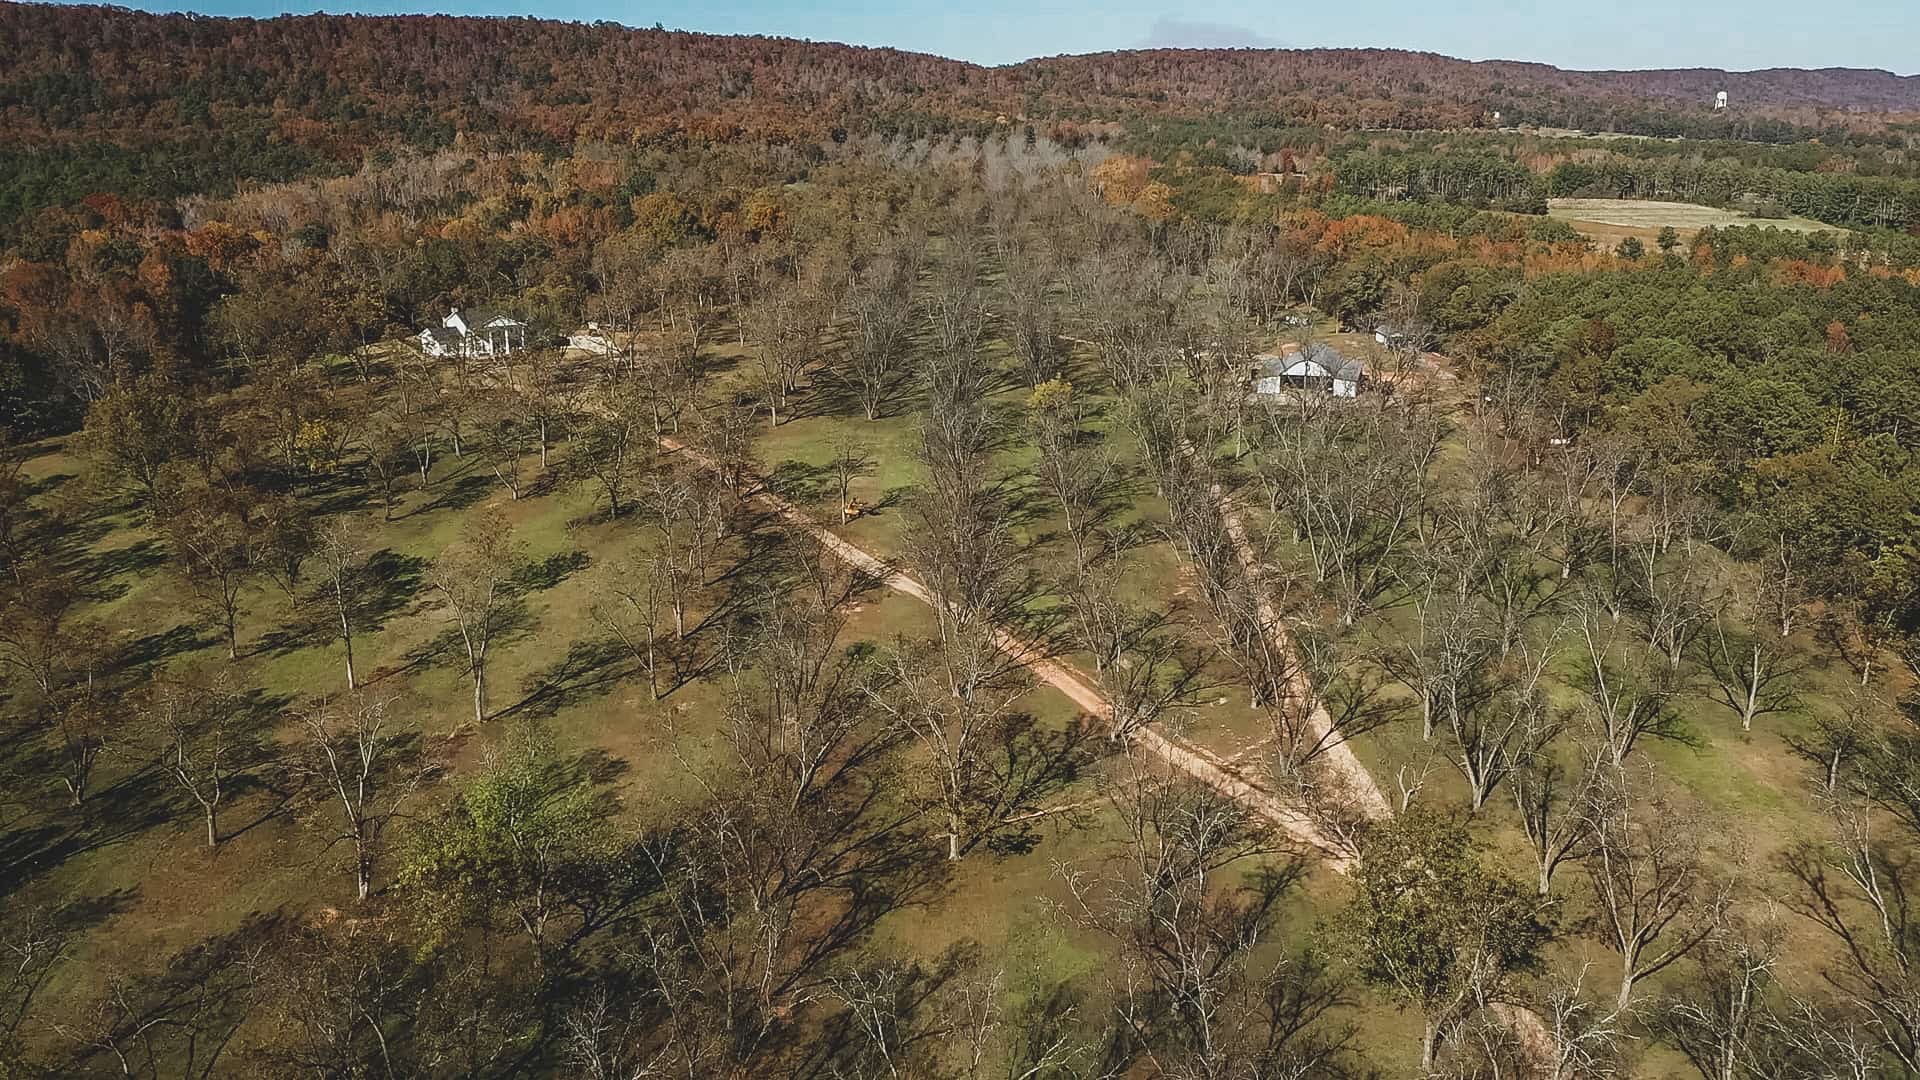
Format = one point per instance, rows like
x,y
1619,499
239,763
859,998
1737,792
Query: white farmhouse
x,y
477,334
1319,368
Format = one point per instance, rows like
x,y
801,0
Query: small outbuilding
x,y
592,341
1392,336
1316,369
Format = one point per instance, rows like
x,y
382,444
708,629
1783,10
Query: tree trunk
x,y
1429,1046
479,694
346,637
213,834
1627,979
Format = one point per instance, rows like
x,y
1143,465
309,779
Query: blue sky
x,y
1735,34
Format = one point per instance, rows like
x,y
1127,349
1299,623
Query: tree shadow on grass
x,y
52,930
130,806
545,482
906,998
543,574
391,583
834,397
346,492
104,574
512,623
799,482
1026,503
150,650
461,494
590,669
180,1019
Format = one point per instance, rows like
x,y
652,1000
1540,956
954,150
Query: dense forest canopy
x,y
203,103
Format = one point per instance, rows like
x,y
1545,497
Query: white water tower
x,y
1719,101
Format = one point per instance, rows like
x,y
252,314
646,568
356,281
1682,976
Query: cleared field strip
x,y
1655,214
1194,761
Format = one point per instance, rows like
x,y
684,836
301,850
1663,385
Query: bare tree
x,y
786,329
1783,582
1585,1042
502,439
1075,474
333,990
42,638
986,761
1497,718
1629,689
180,1020
344,581
1655,902
1555,802
1193,996
1030,315
612,447
627,603
85,725
1838,737
356,770
34,942
475,579
1751,674
531,383
1144,668
881,306
671,499
1350,485
1719,1018
214,542
385,440
850,462
203,738
1856,888
1668,599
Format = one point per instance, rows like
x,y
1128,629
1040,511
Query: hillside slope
x,y
95,71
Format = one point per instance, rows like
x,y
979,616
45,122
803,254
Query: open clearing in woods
x,y
1609,221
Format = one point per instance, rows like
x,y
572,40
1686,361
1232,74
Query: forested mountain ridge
x,y
80,71
129,103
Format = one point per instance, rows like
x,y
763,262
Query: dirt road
x,y
1194,761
